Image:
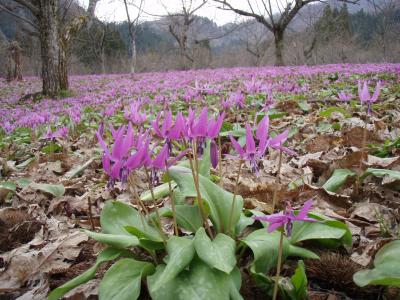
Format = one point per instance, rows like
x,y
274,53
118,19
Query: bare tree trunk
x,y
17,61
133,54
49,47
103,61
278,40
63,68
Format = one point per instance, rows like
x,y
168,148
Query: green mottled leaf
x,y
123,280
57,190
106,255
338,179
386,269
199,282
120,241
219,253
217,199
180,254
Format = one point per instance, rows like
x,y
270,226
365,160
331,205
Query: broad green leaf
x,y
323,127
386,269
57,190
24,182
106,255
180,254
244,221
218,200
8,185
123,280
200,282
381,173
330,110
273,113
160,191
265,249
299,282
219,253
189,217
204,162
338,178
51,148
119,218
325,229
25,163
304,106
120,241
235,284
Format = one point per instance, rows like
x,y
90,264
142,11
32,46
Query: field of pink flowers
x,y
244,183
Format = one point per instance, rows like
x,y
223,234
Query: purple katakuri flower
x,y
365,96
286,218
345,97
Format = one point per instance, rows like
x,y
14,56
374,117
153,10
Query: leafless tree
x,y
68,29
55,33
179,24
275,15
44,19
385,10
133,25
14,61
256,40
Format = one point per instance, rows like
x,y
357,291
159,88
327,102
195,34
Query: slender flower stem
x,y
172,205
133,189
277,181
357,182
220,161
229,229
155,206
363,143
199,199
278,267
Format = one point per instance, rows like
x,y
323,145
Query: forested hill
x,y
319,34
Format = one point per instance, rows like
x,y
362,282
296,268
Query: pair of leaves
x,y
106,255
57,190
218,254
217,200
123,280
386,269
199,282
340,177
122,226
296,287
265,247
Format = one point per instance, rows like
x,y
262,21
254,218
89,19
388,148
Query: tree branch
x,y
7,10
34,9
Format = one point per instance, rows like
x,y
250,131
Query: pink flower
x,y
287,218
365,96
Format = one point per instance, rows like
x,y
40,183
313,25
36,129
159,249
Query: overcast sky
x,y
114,10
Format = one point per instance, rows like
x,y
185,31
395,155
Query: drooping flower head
x,y
365,96
285,219
120,161
200,128
134,114
345,97
252,153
